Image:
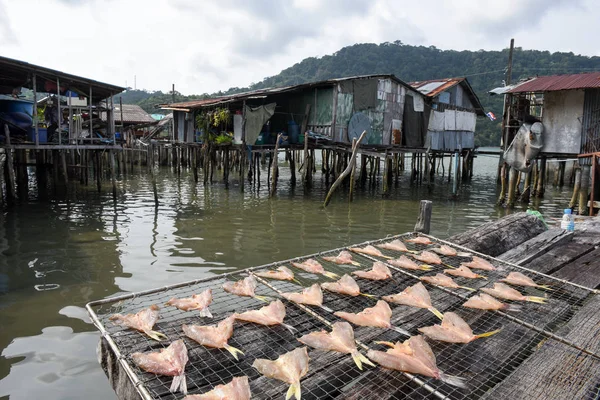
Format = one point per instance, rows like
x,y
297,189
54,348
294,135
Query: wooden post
x,y
195,163
347,171
561,173
423,224
353,173
153,178
456,174
113,175
503,190
576,187
512,187
539,192
98,171
275,172
583,189
63,160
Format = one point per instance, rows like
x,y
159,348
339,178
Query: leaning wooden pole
x,y
353,173
346,172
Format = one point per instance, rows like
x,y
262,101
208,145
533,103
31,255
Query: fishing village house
x,y
568,108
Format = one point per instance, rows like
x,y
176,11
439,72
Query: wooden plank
x,y
537,246
557,371
497,237
584,271
558,257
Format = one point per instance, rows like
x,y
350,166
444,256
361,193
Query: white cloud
x,y
213,45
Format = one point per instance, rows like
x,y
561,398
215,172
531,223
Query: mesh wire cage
x,y
484,363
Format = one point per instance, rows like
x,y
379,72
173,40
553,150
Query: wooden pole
x,y
512,187
113,175
561,173
275,172
347,171
98,171
353,173
576,187
583,190
539,192
423,224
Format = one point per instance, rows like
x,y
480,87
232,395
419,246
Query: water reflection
x,y
87,247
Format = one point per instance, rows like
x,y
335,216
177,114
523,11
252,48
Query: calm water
x,y
87,248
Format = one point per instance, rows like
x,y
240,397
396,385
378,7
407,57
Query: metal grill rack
x,y
484,363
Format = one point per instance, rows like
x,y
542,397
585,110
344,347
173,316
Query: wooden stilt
x,y
512,187
275,172
576,187
423,224
98,169
583,189
539,192
561,173
113,174
347,171
525,195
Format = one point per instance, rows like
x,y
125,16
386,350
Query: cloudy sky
x,y
203,46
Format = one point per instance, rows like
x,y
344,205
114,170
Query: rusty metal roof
x,y
16,73
433,87
132,114
559,82
270,91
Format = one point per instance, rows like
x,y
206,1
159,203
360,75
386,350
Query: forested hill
x,y
484,69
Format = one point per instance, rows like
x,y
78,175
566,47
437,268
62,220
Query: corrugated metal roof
x,y
269,91
433,87
132,114
559,82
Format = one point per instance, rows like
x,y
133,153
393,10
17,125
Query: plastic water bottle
x,y
568,223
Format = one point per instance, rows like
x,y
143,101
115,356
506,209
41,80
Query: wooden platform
x,y
546,351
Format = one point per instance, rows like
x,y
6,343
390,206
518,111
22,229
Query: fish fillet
x,y
502,291
272,314
215,336
345,285
237,389
198,302
428,258
340,339
282,273
453,329
407,263
379,272
395,245
413,356
464,272
289,368
420,240
244,287
314,267
312,296
479,263
444,281
414,296
345,257
378,316
369,250
484,301
519,279
142,321
170,361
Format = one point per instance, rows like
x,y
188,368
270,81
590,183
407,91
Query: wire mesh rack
x,y
484,363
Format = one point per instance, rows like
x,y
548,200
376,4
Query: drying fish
x,y
453,329
420,240
312,296
198,302
484,301
215,336
502,291
449,251
282,273
378,317
369,250
314,267
463,272
395,245
289,368
430,258
479,263
444,281
169,362
244,288
345,257
237,389
270,315
414,296
142,321
407,263
379,272
340,339
345,285
518,279
413,356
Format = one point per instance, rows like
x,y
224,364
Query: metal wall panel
x,y
590,137
562,121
